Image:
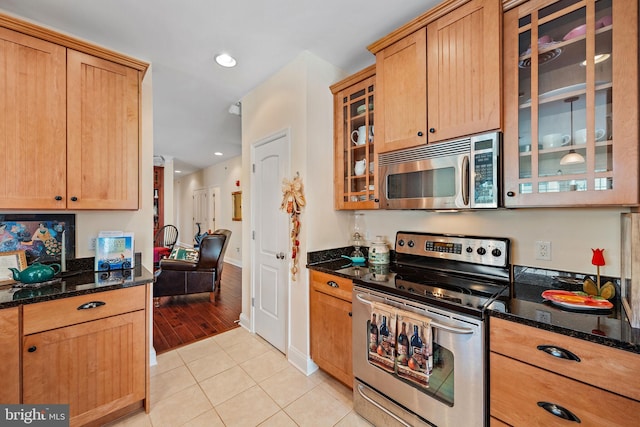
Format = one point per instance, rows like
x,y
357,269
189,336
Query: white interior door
x,y
200,210
214,207
271,226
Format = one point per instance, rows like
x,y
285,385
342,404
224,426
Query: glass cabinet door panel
x,y
565,86
355,184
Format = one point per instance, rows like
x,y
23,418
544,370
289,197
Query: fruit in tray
x,y
607,291
576,299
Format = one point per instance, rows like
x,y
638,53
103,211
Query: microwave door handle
x,y
465,180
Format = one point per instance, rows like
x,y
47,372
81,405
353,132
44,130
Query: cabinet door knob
x,y
74,199
58,198
559,411
32,349
511,194
350,314
432,130
420,133
558,352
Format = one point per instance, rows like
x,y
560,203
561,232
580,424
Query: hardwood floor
x,y
184,319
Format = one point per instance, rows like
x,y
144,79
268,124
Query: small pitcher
x,y
359,167
359,136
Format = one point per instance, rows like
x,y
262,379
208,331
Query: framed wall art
x,y
42,237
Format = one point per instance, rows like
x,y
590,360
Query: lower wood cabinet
x,y
541,378
10,355
90,354
330,311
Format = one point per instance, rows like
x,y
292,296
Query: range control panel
x,y
489,251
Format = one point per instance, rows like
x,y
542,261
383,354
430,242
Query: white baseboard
x,y
153,360
232,261
245,322
301,361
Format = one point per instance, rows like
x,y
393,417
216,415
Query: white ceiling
x,y
191,93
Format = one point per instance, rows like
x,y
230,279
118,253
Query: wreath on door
x,y
292,202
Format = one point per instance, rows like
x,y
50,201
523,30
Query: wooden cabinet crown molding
x,y
61,39
353,79
419,22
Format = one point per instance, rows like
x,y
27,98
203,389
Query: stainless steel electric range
x,y
419,355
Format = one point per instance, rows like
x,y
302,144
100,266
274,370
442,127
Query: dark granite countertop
x,y
73,283
526,306
606,327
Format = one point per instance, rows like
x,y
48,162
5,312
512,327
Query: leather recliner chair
x,y
182,277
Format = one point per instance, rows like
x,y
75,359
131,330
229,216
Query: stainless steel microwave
x,y
458,174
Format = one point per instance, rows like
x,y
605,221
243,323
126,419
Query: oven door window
x,y
408,348
429,183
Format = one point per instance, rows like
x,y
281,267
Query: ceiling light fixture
x,y
601,57
571,158
177,171
217,153
225,60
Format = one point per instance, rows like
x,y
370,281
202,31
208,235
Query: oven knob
x,y
400,242
469,249
481,251
411,243
496,252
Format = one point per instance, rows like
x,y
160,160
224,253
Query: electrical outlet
x,y
543,316
92,243
543,250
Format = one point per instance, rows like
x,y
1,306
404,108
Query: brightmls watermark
x,y
34,415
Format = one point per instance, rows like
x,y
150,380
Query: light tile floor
x,y
238,379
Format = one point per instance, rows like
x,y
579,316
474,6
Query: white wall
x,y
223,175
298,97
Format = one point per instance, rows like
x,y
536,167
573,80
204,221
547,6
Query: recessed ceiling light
x,y
217,153
225,60
177,171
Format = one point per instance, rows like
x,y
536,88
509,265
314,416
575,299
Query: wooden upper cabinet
x,y
32,122
442,80
401,93
571,103
355,178
463,77
103,111
69,123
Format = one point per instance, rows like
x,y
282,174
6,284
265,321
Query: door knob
x,y
280,255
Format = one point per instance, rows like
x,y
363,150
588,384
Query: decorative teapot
x,y
36,273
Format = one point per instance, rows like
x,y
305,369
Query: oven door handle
x,y
379,406
435,324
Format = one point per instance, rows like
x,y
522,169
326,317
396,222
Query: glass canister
x,y
379,252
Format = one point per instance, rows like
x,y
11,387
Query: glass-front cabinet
x,y
355,185
571,103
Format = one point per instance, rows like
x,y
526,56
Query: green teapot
x,y
36,273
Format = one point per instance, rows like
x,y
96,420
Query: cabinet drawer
x,y
332,285
64,312
516,389
601,366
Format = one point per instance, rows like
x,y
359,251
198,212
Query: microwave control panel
x,y
485,155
